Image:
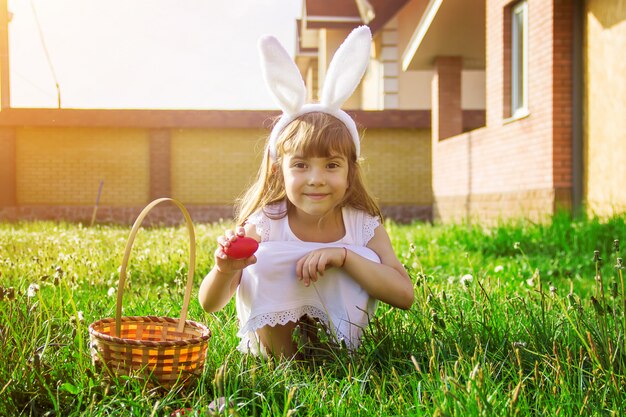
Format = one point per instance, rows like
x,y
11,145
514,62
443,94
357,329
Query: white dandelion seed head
x,y
498,268
33,289
466,279
111,292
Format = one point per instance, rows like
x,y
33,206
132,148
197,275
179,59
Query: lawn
x,y
515,319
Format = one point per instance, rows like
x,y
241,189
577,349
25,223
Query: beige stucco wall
x,y
605,106
329,42
372,86
413,86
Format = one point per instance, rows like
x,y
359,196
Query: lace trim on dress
x,y
262,224
370,223
282,318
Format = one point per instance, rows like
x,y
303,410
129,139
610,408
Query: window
x,y
519,59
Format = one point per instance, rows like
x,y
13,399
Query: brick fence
x,y
52,162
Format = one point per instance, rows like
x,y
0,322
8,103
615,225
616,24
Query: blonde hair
x,y
314,134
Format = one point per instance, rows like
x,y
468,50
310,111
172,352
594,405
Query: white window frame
x,y
519,70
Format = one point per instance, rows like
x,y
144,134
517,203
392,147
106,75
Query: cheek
x,y
290,182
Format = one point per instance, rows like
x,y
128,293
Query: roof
x,y
347,14
448,28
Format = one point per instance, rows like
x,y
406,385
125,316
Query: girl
x,y
323,253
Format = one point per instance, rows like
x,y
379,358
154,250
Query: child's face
x,y
315,185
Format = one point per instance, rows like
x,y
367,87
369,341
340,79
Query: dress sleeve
x,y
262,224
370,223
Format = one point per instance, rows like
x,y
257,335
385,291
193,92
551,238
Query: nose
x,y
317,176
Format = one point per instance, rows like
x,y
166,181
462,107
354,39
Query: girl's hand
x,y
225,263
313,265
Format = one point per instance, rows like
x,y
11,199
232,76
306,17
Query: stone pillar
x,y
160,164
8,176
447,115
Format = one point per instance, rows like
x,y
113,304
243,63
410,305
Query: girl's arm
x,y
386,281
219,286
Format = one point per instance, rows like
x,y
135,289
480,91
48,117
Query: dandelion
x,y
596,256
33,289
466,279
451,280
436,319
530,282
414,265
79,319
498,269
111,292
517,245
572,301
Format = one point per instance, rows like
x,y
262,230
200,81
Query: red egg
x,y
242,248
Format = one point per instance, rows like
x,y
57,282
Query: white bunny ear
x,y
347,68
282,75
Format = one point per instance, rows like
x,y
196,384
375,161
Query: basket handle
x,y
129,244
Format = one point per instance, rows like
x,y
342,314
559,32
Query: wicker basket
x,y
162,350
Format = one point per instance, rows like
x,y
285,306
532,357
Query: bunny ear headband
x,y
343,76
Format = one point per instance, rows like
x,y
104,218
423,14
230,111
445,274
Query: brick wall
x,y
57,170
521,164
214,166
64,166
394,175
7,167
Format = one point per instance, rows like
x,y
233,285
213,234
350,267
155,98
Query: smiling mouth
x,y
316,196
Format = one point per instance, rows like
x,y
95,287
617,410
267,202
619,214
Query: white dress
x,y
270,293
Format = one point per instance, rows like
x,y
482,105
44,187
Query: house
x,y
526,97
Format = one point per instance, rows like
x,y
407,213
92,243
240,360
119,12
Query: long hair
x,y
313,134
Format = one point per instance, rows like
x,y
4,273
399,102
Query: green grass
x,y
538,329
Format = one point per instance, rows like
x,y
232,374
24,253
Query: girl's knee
x,y
278,339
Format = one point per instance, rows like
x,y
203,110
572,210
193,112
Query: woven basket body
x,y
164,351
